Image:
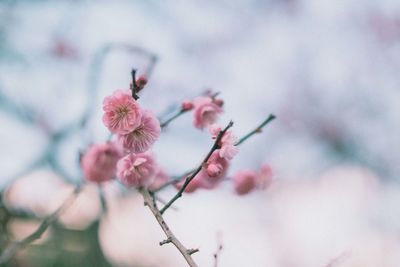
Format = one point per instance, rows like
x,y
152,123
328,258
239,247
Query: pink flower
x,y
244,181
265,176
214,130
205,111
136,169
214,171
160,178
99,163
144,136
228,146
122,113
228,142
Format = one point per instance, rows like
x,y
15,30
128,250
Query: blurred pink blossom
x,y
205,112
265,176
99,162
245,181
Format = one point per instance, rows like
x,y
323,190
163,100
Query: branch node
x,y
192,251
166,241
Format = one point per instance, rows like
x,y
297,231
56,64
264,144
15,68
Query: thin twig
x,y
175,180
258,129
218,252
134,87
191,177
150,202
241,141
176,115
13,248
102,197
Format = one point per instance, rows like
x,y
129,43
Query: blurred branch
x,y
339,259
218,252
150,202
258,129
102,197
175,116
189,179
13,248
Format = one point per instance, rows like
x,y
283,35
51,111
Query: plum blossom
x,y
99,162
136,170
228,148
245,181
228,142
206,111
265,176
122,114
144,136
215,173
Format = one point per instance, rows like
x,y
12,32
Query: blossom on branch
x,y
122,113
206,111
144,136
136,170
99,162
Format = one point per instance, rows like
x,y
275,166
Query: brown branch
x,y
13,248
191,177
150,202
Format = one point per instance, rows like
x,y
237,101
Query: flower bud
x,y
187,105
141,81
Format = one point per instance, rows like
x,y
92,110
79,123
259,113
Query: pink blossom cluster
x,y
215,169
206,109
130,159
245,181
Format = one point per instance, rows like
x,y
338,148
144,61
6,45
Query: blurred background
x,y
329,70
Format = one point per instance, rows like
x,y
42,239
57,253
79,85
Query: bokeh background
x,y
329,70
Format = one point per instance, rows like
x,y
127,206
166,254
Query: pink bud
x,y
141,81
214,169
219,102
245,181
187,105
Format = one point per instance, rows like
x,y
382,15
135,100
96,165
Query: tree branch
x,y
175,116
13,248
150,202
241,141
258,129
196,171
